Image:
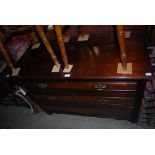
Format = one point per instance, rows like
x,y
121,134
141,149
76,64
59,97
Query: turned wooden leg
x,y
7,58
61,44
42,35
33,38
81,31
121,40
82,36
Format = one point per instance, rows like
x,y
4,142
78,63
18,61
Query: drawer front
x,y
128,94
82,87
97,86
104,111
84,101
104,99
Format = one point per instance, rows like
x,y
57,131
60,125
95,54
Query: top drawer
x,y
92,86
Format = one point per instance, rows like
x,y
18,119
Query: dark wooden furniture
x,y
93,87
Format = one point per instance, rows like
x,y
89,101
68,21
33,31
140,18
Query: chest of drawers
x,y
103,98
93,87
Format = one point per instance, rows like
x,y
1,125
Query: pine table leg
x,y
61,45
123,67
7,58
121,40
82,36
43,37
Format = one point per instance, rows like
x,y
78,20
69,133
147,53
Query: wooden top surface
x,y
88,64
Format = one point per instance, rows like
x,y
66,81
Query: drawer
x,y
124,94
108,112
110,107
82,86
76,100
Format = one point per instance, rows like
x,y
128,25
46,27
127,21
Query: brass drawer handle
x,y
99,87
42,85
51,98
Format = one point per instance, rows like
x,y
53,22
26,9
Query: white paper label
x,y
67,75
148,74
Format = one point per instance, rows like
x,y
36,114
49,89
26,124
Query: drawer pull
x,y
42,85
52,98
99,87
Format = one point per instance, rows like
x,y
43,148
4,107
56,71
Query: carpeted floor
x,y
13,117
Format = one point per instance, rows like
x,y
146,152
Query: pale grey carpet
x,y
21,118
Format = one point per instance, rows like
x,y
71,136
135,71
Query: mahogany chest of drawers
x,y
103,98
93,87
